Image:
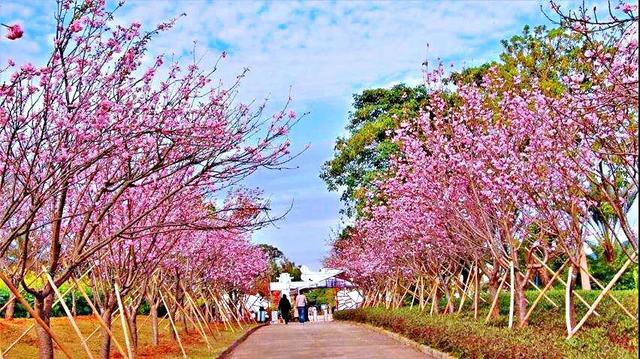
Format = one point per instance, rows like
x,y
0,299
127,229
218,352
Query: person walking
x,y
284,307
301,305
313,314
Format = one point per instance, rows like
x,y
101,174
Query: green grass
x,y
612,334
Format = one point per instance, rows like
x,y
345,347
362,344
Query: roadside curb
x,y
404,340
225,354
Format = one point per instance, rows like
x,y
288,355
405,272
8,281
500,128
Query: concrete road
x,y
322,340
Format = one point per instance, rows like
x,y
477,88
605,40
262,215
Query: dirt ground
x,y
195,345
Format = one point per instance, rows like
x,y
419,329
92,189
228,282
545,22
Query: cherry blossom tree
x,y
502,176
102,152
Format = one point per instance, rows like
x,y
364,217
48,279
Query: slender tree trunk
x,y
519,284
45,343
184,322
544,277
476,291
493,284
436,301
449,308
153,312
175,320
105,347
570,309
74,309
11,308
133,328
107,313
208,316
585,281
521,300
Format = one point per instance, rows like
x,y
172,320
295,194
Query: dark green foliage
x,y
537,53
272,252
363,156
82,308
603,270
288,266
279,263
609,335
321,296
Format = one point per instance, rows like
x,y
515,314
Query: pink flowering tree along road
x,y
500,176
107,163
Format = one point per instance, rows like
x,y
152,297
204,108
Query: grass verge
x,y
611,334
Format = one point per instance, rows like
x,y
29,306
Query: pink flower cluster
x,y
15,31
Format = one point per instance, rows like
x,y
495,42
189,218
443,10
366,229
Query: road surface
x,y
334,339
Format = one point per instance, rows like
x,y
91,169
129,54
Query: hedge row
x,y
82,308
609,335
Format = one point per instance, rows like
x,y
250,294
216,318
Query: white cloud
x,y
327,49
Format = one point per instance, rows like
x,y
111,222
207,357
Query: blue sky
x,y
322,52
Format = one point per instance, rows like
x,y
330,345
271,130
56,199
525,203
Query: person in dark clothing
x,y
284,307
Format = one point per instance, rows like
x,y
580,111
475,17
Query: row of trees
x,y
120,173
497,172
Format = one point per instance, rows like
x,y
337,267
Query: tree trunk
x,y
521,300
74,309
435,305
11,308
450,307
105,348
476,292
494,279
184,322
175,320
585,281
133,328
570,309
45,343
544,277
153,312
208,315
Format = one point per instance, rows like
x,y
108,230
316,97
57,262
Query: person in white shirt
x,y
313,314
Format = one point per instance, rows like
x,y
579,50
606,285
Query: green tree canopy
x,y
279,263
363,156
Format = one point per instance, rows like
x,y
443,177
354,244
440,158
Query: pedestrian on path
x,y
284,307
301,305
313,314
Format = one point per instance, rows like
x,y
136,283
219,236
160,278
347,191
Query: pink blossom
x,y
627,8
6,90
75,26
15,31
28,67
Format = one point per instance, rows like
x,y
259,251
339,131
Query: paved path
x,y
322,340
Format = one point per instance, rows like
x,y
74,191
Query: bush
x,y
82,308
609,335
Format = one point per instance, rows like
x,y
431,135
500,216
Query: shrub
x,y
609,335
82,308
